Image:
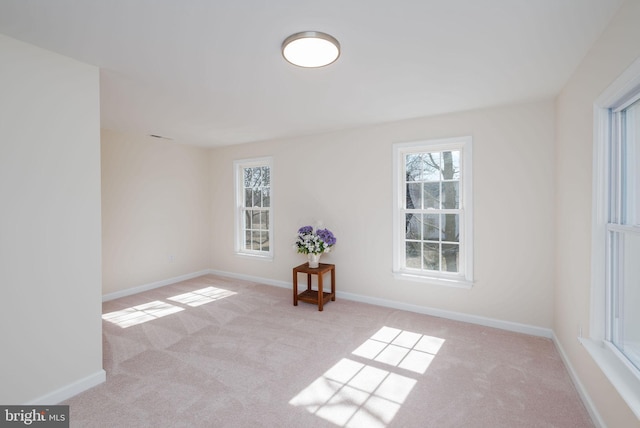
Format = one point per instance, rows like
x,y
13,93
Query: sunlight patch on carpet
x,y
401,348
141,313
352,393
157,309
355,394
202,296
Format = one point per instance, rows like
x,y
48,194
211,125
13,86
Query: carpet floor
x,y
219,352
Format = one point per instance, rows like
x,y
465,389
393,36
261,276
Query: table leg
x,y
295,288
308,281
333,285
320,293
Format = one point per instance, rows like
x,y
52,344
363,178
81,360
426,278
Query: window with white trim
x,y
254,220
432,212
614,341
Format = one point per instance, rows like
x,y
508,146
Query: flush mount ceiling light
x,y
310,49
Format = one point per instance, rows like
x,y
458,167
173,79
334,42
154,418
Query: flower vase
x,y
314,260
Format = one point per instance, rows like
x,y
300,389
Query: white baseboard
x,y
584,396
274,282
66,392
152,285
457,316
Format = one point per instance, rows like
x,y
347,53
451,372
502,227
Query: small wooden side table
x,y
310,296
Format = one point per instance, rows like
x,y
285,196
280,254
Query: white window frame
x,y
463,279
620,372
239,219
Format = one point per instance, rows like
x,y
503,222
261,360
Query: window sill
x,y
267,258
624,379
447,282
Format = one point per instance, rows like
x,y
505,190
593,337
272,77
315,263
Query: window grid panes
x,y
432,214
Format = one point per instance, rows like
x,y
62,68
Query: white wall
x,y
344,179
156,220
617,48
50,301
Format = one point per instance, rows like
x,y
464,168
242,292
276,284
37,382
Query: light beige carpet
x,y
216,352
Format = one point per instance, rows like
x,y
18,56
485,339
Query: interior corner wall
x,y
344,179
156,218
616,50
50,300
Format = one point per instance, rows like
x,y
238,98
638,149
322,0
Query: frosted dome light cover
x,y
310,49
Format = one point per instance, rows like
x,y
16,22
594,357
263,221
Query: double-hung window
x,y
254,220
432,213
623,231
614,341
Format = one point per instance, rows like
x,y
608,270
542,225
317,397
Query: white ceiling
x,y
210,72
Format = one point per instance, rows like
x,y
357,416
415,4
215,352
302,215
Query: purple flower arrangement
x,y
317,242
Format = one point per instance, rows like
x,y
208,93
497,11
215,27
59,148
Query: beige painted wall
x,y
50,299
344,179
156,221
617,48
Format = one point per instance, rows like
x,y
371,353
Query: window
x,y
254,231
614,341
623,231
432,215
